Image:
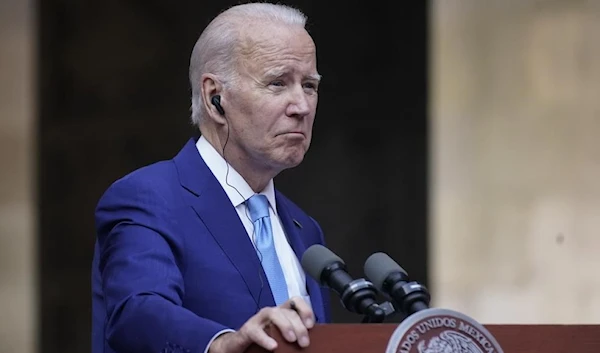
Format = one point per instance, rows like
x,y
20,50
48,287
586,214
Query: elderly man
x,y
200,253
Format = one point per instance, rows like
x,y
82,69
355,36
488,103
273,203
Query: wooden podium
x,y
373,338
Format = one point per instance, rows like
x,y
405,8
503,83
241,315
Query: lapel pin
x,y
298,224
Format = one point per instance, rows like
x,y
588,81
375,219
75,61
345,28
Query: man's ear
x,y
211,86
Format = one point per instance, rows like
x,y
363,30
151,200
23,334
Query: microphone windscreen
x,y
316,258
379,266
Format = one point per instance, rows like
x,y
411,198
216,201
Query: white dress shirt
x,y
239,191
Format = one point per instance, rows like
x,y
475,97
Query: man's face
x,y
272,106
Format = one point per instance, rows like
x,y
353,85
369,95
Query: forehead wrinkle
x,y
260,50
282,70
263,50
269,64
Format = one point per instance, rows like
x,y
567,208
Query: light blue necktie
x,y
258,205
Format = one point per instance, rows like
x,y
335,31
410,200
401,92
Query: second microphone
x,y
357,295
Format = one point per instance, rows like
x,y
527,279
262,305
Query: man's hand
x,y
293,319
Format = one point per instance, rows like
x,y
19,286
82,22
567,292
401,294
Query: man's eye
x,y
311,87
277,83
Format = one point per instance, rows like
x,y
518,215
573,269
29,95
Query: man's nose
x,y
299,103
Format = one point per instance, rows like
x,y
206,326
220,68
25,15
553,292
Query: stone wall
x,y
515,188
17,182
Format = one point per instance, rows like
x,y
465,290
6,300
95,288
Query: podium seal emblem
x,y
436,330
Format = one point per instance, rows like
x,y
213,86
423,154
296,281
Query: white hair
x,y
215,50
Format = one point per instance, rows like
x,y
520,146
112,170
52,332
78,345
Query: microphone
x,y
391,279
357,295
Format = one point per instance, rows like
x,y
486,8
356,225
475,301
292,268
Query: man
x,y
200,253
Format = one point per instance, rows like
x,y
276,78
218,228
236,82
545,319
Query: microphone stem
x,y
417,306
376,314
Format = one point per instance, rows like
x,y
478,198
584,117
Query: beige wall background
x,y
17,196
515,118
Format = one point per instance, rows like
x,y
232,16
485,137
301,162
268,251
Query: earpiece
x,y
216,101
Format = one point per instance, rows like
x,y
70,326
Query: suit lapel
x,y
213,207
293,230
221,219
215,210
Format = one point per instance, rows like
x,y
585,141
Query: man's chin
x,y
291,161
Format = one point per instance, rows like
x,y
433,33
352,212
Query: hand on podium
x,y
293,319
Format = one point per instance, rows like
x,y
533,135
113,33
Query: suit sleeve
x,y
142,277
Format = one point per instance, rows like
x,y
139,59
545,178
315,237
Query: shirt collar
x,y
231,181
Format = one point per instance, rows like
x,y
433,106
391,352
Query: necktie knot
x,y
258,205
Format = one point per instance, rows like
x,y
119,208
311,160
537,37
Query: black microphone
x,y
357,295
391,279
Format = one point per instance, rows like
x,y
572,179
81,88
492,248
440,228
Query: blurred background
x,y
460,136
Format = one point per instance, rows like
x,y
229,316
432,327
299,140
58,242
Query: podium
x,y
373,338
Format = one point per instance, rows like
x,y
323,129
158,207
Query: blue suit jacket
x,y
173,264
